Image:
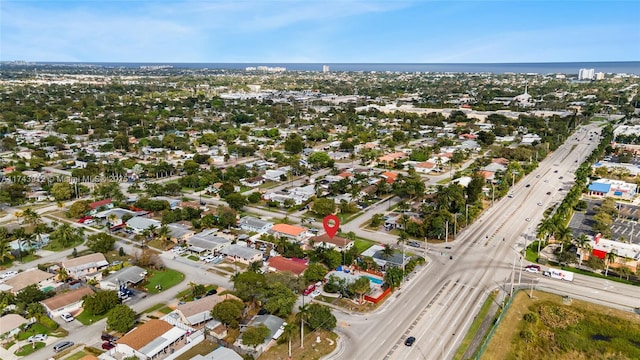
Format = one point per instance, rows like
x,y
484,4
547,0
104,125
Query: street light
x,y
467,211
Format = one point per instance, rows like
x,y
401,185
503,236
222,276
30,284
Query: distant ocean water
x,y
628,67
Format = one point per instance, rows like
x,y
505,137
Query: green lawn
x,y
29,348
87,319
36,328
532,252
153,308
166,279
55,246
363,244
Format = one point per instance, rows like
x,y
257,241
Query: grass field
x,y
545,328
165,278
311,350
87,319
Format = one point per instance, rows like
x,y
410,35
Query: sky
x,y
320,31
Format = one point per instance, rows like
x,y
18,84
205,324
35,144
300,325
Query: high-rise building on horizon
x,y
325,68
586,74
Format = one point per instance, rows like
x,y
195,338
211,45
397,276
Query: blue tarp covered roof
x,y
599,187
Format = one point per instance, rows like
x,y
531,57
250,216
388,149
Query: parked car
x,y
211,292
37,338
9,274
410,340
63,345
67,317
107,345
414,244
309,290
315,293
108,337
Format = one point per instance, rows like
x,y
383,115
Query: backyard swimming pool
x,y
374,280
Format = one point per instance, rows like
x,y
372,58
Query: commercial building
x,y
586,74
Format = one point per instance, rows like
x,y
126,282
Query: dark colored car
x,y
107,345
211,292
108,337
548,192
410,340
527,185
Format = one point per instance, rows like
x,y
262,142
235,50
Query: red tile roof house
x,y
292,232
389,176
338,243
101,205
281,264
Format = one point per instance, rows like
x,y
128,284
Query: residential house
x,y
197,312
281,264
252,182
139,224
114,216
337,242
150,340
12,324
242,254
291,232
377,253
390,159
207,241
389,176
127,276
173,203
84,267
274,175
249,223
98,206
425,167
179,232
69,301
275,326
42,279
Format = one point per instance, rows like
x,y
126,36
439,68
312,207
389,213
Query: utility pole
x,y
455,225
513,269
493,193
520,274
446,232
467,222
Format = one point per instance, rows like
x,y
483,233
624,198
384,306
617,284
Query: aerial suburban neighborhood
x,y
159,212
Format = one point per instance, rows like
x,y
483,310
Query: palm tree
x,y
5,249
387,251
583,244
402,240
564,235
255,266
302,315
164,234
66,235
287,334
19,235
63,275
610,258
545,228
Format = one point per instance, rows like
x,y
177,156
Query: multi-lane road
x,y
439,303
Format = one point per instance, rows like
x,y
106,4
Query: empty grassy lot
x,y
545,328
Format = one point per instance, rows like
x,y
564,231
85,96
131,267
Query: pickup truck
x,y
559,274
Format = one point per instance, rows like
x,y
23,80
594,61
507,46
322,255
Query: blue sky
x,y
328,31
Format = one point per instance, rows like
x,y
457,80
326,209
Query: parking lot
x,y
625,226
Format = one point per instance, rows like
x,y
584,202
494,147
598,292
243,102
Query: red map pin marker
x,y
331,229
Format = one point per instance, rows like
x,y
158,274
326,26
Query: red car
x,y
107,345
82,220
309,289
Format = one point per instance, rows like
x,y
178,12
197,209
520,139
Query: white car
x,y
9,274
67,317
315,294
539,204
37,338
